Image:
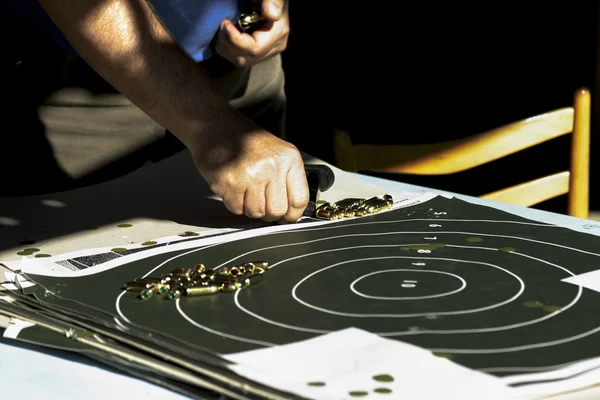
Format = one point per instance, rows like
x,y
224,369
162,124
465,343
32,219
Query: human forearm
x,y
128,46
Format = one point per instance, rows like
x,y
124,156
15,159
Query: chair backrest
x,y
462,154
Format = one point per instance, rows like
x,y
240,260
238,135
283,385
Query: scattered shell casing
x,y
361,211
348,203
250,280
376,205
165,280
202,290
147,280
230,287
339,214
174,293
221,279
176,271
200,268
163,289
235,271
147,293
257,267
381,207
136,286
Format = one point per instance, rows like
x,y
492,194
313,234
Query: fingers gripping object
x,y
250,22
251,18
320,178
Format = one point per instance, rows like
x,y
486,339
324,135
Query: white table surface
x,y
26,373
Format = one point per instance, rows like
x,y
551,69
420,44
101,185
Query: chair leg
x,y
578,204
343,151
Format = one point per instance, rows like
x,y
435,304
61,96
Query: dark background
x,y
417,73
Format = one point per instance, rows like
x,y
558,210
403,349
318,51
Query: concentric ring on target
x,y
407,284
468,310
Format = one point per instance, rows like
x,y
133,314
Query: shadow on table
x,y
170,190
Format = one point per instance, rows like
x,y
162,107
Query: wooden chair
x,y
462,154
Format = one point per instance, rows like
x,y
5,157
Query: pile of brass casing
x,y
199,281
354,207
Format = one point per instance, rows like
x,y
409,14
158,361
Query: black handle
x,y
320,178
321,174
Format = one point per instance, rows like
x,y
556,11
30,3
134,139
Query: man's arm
x,y
128,46
254,172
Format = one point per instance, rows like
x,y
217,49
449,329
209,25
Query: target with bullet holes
x,y
468,282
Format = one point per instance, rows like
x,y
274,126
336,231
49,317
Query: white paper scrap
x,y
590,280
353,362
15,327
18,281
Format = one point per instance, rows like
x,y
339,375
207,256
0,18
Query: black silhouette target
x,y
468,282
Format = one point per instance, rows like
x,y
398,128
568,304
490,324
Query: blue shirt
x,y
192,23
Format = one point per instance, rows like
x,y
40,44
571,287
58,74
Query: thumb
x,y
236,37
272,9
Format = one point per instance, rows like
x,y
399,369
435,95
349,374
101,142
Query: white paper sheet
x,y
348,360
26,374
590,280
15,327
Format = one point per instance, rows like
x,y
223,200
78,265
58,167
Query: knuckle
x,y
240,61
258,176
271,163
236,211
299,202
300,197
255,214
254,51
277,213
231,180
265,169
216,189
234,207
291,217
293,156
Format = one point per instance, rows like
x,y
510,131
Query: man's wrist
x,y
219,136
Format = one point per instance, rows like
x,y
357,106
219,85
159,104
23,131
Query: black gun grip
x,y
323,175
320,178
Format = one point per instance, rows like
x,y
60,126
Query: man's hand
x,y
255,174
245,50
